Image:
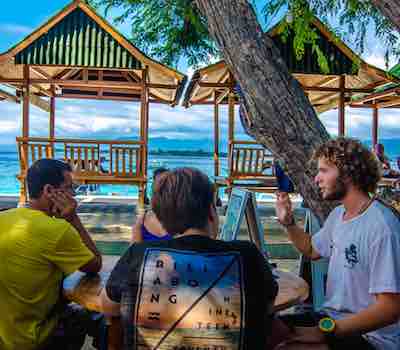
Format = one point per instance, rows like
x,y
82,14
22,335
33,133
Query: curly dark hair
x,y
353,160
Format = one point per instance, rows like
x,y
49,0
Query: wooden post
x,y
144,122
52,120
375,126
231,129
25,133
341,121
52,114
216,136
25,103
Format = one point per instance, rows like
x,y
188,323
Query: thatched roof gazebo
x,y
386,96
77,54
348,75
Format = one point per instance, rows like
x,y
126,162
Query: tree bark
x,y
280,115
390,9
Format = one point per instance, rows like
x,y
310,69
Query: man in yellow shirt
x,y
39,245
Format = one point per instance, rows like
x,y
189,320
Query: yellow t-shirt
x,y
36,252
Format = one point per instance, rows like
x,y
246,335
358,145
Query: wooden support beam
x,y
378,95
52,114
231,117
341,121
330,89
394,101
215,85
97,97
39,102
25,102
367,105
144,121
328,80
9,97
91,83
85,75
40,72
222,96
375,126
323,97
216,136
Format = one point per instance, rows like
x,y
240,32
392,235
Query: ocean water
x,y
9,165
9,168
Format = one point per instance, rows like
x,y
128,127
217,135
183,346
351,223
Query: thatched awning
x,y
322,89
81,54
386,96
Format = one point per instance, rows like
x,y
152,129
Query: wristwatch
x,y
327,326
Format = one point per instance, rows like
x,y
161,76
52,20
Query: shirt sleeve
x,y
70,253
384,267
322,240
119,277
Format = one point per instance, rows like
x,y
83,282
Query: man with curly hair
x,y
361,237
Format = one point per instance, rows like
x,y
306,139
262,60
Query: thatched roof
x,y
76,44
322,89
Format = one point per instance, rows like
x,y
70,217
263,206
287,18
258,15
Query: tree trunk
x,y
390,9
280,115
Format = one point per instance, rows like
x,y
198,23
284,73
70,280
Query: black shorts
x,y
311,319
74,324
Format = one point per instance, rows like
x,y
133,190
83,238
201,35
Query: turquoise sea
x,y
9,166
9,163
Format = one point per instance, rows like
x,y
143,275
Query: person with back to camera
x,y
147,227
361,237
192,291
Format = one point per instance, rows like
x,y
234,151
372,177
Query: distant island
x,y
184,153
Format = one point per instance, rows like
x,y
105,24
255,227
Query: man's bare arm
x,y
300,239
95,264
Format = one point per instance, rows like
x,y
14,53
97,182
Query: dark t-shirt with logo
x,y
193,293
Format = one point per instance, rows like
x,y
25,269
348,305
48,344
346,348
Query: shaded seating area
x,y
215,85
78,55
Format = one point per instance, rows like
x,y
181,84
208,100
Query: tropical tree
x,y
280,115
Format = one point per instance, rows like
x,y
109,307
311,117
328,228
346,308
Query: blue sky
x,y
115,119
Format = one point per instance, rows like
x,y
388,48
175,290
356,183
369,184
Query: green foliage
x,y
170,30
351,21
167,30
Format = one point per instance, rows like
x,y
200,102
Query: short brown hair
x,y
353,160
182,199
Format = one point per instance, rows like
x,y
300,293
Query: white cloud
x,y
12,28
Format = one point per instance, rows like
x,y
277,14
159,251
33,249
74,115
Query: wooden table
x,y
85,290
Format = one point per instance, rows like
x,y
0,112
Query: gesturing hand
x,y
283,208
64,205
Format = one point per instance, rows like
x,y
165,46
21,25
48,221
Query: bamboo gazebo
x,y
387,97
215,85
77,54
